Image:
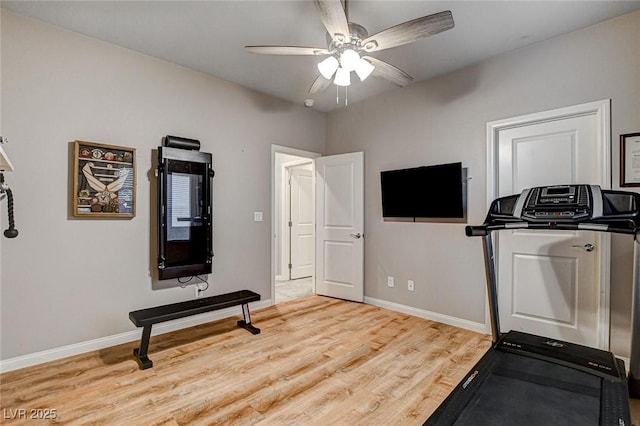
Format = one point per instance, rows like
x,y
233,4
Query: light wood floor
x,y
318,361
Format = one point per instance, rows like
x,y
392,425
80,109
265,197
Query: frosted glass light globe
x,y
343,77
349,59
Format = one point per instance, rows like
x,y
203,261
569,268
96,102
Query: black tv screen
x,y
423,192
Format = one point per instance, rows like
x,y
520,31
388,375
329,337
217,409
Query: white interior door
x,y
340,226
301,223
549,283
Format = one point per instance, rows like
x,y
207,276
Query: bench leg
x,y
246,322
141,352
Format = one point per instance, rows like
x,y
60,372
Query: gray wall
x,y
444,120
66,280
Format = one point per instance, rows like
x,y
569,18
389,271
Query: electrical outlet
x,y
410,285
390,282
199,290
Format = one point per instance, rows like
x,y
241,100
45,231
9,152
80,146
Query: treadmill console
x,y
567,207
566,202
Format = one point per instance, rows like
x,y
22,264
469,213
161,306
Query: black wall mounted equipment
x,y
528,379
5,191
185,245
185,242
181,143
11,231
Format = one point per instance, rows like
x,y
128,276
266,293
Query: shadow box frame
x,y
104,180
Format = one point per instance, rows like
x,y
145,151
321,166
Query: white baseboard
x,y
28,360
478,327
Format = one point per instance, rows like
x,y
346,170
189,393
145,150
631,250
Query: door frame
x,y
279,149
602,111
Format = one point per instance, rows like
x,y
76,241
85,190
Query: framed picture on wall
x,y
104,180
630,159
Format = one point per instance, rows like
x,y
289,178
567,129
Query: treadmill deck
x,y
515,387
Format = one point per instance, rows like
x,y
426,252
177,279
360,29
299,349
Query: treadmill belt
x,y
547,374
548,381
507,401
520,390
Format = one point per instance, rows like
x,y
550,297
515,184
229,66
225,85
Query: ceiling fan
x,y
349,46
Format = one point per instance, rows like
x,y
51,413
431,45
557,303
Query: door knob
x,y
587,247
356,236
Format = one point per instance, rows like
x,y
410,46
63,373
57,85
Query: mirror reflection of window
x,y
184,205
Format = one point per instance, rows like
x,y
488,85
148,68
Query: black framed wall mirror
x,y
185,211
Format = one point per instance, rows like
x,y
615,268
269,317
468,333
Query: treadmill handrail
x,y
482,230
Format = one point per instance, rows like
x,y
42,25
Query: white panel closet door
x,y
548,282
302,225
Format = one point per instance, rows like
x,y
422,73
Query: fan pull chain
x,y
346,95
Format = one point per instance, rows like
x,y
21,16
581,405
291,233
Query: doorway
x,y
293,262
337,188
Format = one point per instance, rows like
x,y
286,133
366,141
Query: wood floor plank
x,y
318,361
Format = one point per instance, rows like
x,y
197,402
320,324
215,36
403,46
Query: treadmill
x,y
526,379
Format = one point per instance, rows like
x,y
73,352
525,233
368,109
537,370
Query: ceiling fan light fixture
x,y
349,59
328,67
364,69
343,77
346,41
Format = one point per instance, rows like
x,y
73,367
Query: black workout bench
x,y
147,317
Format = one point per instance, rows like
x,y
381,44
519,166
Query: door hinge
x,y
290,266
290,224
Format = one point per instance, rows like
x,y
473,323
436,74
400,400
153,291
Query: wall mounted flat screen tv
x,y
424,192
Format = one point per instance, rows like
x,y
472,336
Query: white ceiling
x,y
210,36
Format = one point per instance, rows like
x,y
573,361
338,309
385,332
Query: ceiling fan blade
x,y
409,31
287,50
389,72
319,85
334,19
